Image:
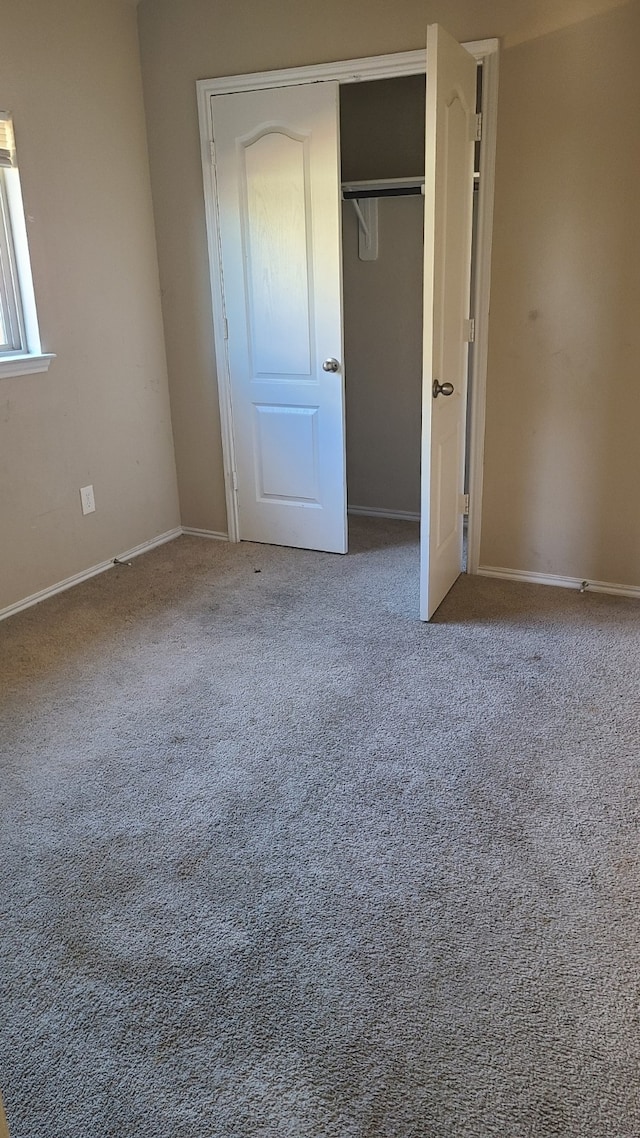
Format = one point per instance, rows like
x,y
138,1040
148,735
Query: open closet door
x,y
278,191
450,135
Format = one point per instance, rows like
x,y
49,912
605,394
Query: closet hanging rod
x,y
390,188
396,192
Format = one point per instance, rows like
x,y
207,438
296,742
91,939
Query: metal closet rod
x,y
349,195
390,188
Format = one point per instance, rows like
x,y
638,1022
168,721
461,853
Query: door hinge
x,y
470,330
225,324
212,152
234,480
464,504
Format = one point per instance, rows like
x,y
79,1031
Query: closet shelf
x,y
389,188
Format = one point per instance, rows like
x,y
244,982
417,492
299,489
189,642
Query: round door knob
x,y
442,389
331,365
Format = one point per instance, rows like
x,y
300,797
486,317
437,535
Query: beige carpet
x,y
279,861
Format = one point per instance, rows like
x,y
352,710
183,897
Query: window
x,y
12,337
20,349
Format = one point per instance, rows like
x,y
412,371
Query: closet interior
x,y
382,132
382,126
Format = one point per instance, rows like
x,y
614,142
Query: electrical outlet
x,y
87,499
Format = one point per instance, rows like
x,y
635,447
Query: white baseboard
x,y
86,574
212,534
560,582
162,539
372,512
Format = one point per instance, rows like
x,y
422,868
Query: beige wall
x,y
568,81
69,73
562,454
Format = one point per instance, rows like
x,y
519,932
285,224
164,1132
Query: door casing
x,y
357,71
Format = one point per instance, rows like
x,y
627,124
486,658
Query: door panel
x,y
278,188
446,490
450,123
286,445
277,255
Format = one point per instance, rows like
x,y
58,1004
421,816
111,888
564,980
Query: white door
x,y
278,188
450,134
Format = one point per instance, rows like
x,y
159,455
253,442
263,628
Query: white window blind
x,y
7,143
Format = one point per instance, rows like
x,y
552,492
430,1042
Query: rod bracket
x,y
367,214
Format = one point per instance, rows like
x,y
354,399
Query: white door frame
x,y
356,71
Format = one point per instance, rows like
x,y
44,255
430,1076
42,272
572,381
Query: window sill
x,y
24,365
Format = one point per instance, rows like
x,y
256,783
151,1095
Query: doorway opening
x,y
382,140
265,133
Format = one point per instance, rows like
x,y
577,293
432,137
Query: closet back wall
x,y
382,136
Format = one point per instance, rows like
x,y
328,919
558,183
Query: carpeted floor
x,y
279,861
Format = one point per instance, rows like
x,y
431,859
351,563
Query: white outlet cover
x,y
87,499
